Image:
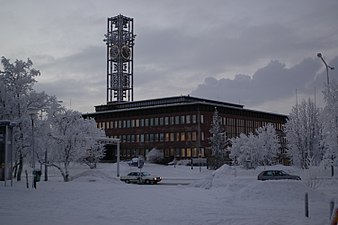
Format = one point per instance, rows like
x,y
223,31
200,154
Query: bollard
x,y
331,208
334,220
306,205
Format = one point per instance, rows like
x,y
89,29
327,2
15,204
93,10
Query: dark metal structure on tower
x,y
120,53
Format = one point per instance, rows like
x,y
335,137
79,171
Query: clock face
x,y
114,51
125,52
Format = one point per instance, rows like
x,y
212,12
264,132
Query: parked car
x,y
276,175
140,178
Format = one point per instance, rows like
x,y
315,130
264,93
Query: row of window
x,y
161,137
168,152
184,152
156,121
249,124
185,119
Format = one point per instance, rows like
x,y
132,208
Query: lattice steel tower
x,y
120,51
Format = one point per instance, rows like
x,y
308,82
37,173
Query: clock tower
x,y
120,48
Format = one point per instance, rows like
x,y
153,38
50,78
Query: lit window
x,y
188,152
194,136
182,152
182,136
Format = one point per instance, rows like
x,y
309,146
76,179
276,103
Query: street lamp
x,y
328,86
327,68
33,111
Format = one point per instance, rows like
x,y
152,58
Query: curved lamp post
x,y
328,86
327,68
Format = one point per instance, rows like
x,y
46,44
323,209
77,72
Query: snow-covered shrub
x,y
311,178
155,156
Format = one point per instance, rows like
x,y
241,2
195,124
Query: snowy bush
x,y
155,156
311,177
252,150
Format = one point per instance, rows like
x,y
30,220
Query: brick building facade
x,y
178,126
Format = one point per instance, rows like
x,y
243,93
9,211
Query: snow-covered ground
x,y
226,196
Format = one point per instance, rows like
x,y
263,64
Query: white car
x,y
140,178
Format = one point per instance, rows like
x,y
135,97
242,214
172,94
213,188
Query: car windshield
x,y
145,174
283,173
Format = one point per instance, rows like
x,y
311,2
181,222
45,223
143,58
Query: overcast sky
x,y
257,53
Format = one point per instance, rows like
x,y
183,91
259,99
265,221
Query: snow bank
x,y
93,175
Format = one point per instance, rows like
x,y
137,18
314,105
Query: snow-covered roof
x,y
168,102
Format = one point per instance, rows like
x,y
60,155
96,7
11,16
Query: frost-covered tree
x,y
267,141
242,151
330,124
252,150
16,96
218,142
17,80
75,139
303,132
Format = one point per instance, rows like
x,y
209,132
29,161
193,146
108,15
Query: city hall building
x,y
178,126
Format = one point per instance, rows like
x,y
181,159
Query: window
x,y
182,119
166,120
172,120
182,136
177,120
161,136
202,119
172,136
172,151
177,136
182,152
188,152
194,136
178,152
188,136
194,152
194,120
201,153
187,119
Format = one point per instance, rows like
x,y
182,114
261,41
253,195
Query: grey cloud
x,y
270,83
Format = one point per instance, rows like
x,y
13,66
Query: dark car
x,y
141,178
276,175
